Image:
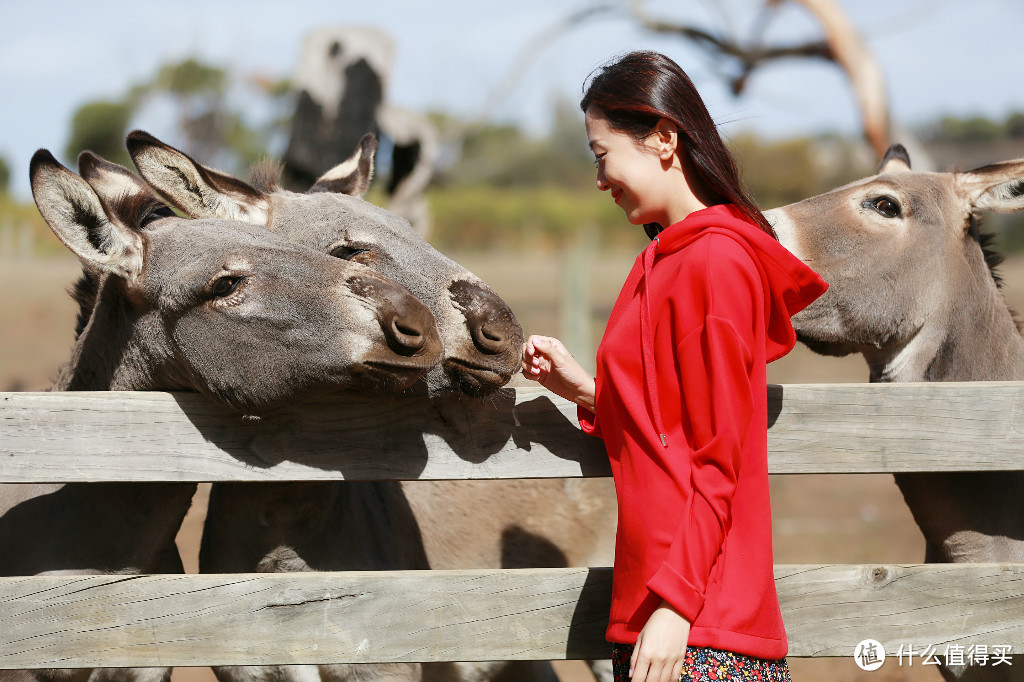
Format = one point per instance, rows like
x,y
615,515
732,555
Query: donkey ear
x,y
198,191
353,175
125,198
998,187
896,160
76,216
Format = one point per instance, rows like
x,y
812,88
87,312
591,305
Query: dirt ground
x,y
817,518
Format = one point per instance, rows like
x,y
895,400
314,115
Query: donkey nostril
x,y
486,338
407,330
490,322
403,336
406,323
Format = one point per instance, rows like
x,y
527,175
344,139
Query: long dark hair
x,y
637,90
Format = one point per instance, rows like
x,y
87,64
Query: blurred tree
x,y
5,175
784,171
215,131
198,91
504,156
974,129
101,126
1015,124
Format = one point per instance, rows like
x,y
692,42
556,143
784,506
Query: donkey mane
x,y
136,210
83,292
993,258
265,175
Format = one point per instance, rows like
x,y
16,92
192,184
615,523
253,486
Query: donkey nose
x,y
492,326
407,323
404,329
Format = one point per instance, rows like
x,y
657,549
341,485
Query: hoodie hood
x,y
789,284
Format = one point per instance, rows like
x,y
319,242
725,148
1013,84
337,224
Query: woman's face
x,y
634,174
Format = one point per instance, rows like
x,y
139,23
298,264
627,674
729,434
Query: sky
x,y
940,57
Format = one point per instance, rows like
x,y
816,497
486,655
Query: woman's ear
x,y
666,139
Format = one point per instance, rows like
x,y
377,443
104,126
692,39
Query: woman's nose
x,y
602,183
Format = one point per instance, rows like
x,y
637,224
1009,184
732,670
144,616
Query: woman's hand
x,y
660,649
546,361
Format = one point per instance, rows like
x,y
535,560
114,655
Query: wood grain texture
x,y
364,617
523,433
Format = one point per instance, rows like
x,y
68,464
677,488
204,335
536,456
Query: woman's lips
x,y
616,193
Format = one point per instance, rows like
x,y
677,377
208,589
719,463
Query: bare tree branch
x,y
861,67
747,56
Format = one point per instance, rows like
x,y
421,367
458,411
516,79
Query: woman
x,y
680,393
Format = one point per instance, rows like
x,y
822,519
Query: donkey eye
x,y
225,286
886,206
345,252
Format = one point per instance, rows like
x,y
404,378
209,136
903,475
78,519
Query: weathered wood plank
x,y
261,619
824,428
359,617
829,609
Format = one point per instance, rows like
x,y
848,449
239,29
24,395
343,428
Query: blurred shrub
x,y
5,176
483,217
100,127
785,171
20,221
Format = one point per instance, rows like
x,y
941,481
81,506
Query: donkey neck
x,y
108,354
975,338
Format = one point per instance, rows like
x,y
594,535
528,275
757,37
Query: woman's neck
x,y
688,194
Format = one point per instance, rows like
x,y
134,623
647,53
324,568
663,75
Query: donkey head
x,y
222,307
906,265
482,338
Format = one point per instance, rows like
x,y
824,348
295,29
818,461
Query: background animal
x,y
171,304
913,290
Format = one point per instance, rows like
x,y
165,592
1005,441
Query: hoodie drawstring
x,y
647,342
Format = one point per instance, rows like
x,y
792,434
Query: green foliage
x,y
5,176
504,156
483,217
214,130
20,218
782,172
977,129
191,78
1015,124
100,126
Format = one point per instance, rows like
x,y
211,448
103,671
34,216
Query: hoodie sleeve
x,y
588,421
714,372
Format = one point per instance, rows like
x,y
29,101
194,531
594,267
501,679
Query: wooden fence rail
x,y
359,617
523,433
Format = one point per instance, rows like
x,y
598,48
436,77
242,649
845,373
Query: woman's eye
x,y
886,206
347,252
225,286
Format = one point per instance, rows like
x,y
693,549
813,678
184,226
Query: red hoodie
x,y
683,414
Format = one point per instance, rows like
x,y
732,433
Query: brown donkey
x,y
348,526
207,306
912,289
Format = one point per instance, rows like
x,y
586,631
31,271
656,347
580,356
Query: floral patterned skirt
x,y
704,663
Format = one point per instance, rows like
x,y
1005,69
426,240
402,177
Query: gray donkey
x,y
912,289
449,525
207,306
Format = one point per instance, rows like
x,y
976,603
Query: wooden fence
x,y
364,617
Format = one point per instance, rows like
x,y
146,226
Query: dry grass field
x,y
817,519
